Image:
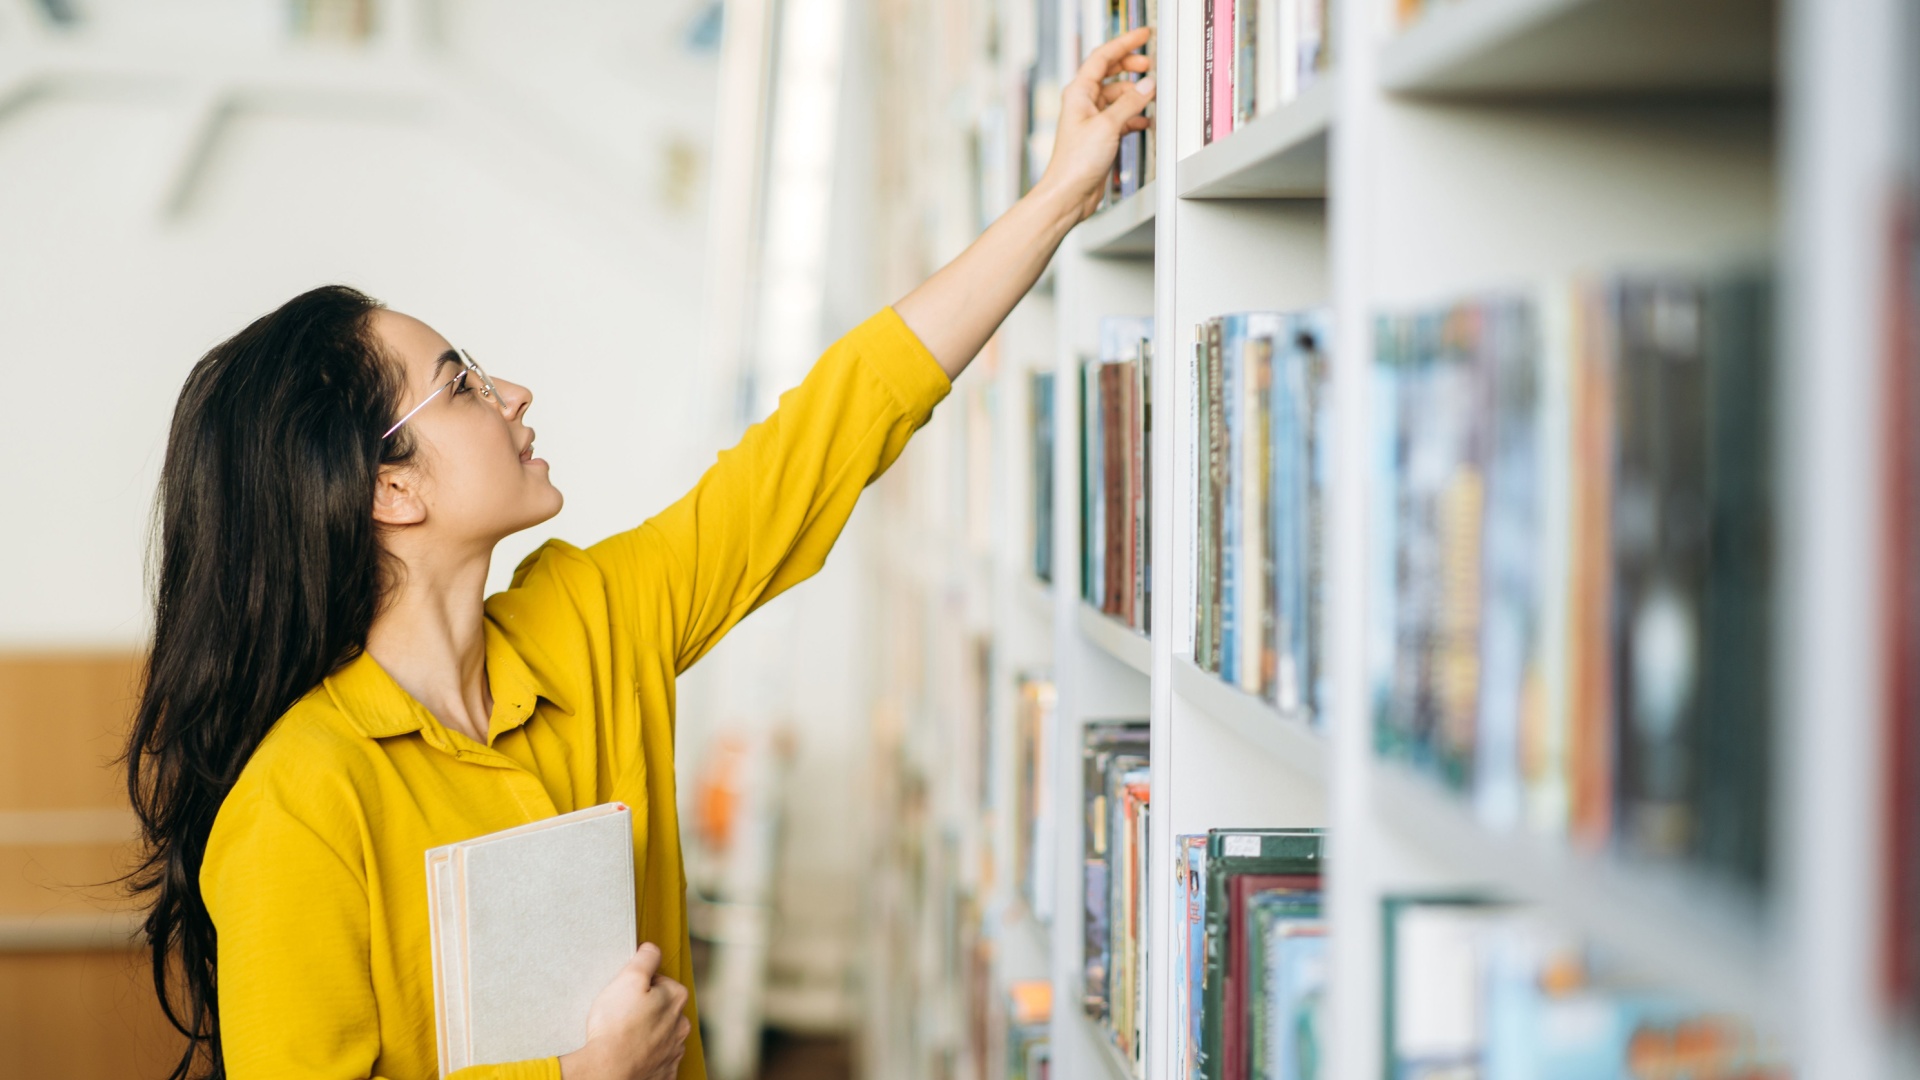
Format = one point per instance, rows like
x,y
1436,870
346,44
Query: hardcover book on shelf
x,y
1189,951
1033,860
1117,490
1572,540
1489,991
1040,398
1291,1029
1262,419
1109,750
1257,56
1287,858
1029,1012
528,925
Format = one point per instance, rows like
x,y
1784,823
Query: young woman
x,y
329,694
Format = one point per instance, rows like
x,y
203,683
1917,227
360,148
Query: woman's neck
x,y
431,638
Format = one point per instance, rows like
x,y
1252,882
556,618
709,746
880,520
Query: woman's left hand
x,y
1094,114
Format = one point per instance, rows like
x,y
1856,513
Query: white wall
x,y
487,217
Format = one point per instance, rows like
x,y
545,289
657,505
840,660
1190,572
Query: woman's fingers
x,y
1103,61
1129,103
645,963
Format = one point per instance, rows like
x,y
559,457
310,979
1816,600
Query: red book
x,y
1233,1019
1224,48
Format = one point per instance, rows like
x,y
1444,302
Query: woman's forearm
x,y
956,310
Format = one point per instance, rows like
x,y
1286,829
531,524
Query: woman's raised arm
x,y
956,310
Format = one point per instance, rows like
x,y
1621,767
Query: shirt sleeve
x,y
295,953
766,514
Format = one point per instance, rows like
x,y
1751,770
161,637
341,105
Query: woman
x,y
329,694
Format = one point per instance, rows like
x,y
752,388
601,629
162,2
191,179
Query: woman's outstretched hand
x,y
636,1029
1094,114
955,311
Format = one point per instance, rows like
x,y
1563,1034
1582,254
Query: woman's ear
x,y
396,497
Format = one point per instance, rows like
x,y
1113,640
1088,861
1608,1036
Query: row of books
x,y
1487,991
1036,715
1040,453
1098,22
1117,805
1570,584
1029,1018
1262,424
1258,55
1116,490
1250,957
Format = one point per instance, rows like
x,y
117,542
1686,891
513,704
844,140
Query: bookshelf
x,y
1487,145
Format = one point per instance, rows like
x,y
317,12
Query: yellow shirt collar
x,y
379,708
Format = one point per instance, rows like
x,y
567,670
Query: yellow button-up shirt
x,y
315,872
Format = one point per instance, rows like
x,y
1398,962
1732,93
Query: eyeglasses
x,y
486,389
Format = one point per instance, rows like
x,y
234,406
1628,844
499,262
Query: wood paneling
x,y
83,1016
62,717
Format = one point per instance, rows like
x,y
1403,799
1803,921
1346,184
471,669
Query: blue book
x,y
1289,517
1233,338
1297,976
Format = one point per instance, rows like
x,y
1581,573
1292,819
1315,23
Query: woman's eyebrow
x,y
451,356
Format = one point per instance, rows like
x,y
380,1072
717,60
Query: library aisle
x,y
1426,586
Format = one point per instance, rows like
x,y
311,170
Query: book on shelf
x,y
1116,794
1116,486
1248,895
1488,990
1029,1012
528,925
1035,719
1256,56
1100,21
1570,597
1262,425
1041,424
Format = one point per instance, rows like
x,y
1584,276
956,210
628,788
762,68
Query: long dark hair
x,y
269,574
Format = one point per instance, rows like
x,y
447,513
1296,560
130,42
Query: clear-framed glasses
x,y
469,368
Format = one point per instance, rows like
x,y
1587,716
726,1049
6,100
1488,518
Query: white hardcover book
x,y
1286,53
1266,73
528,926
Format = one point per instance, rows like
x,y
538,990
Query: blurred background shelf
x,y
1679,929
1569,48
1282,155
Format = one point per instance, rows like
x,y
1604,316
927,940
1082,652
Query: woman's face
x,y
474,476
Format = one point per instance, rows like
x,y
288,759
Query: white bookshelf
x,y
1495,143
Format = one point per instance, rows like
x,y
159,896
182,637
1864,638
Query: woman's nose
x,y
514,398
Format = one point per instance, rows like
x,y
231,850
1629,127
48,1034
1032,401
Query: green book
x,y
1266,911
1231,854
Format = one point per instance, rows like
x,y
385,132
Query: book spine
x,y
1223,63
1509,631
1590,613
1206,75
1246,60
1202,573
1732,758
1216,490
1117,541
1137,594
1256,654
1234,376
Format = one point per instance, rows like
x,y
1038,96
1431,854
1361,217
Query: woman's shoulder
x,y
303,776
